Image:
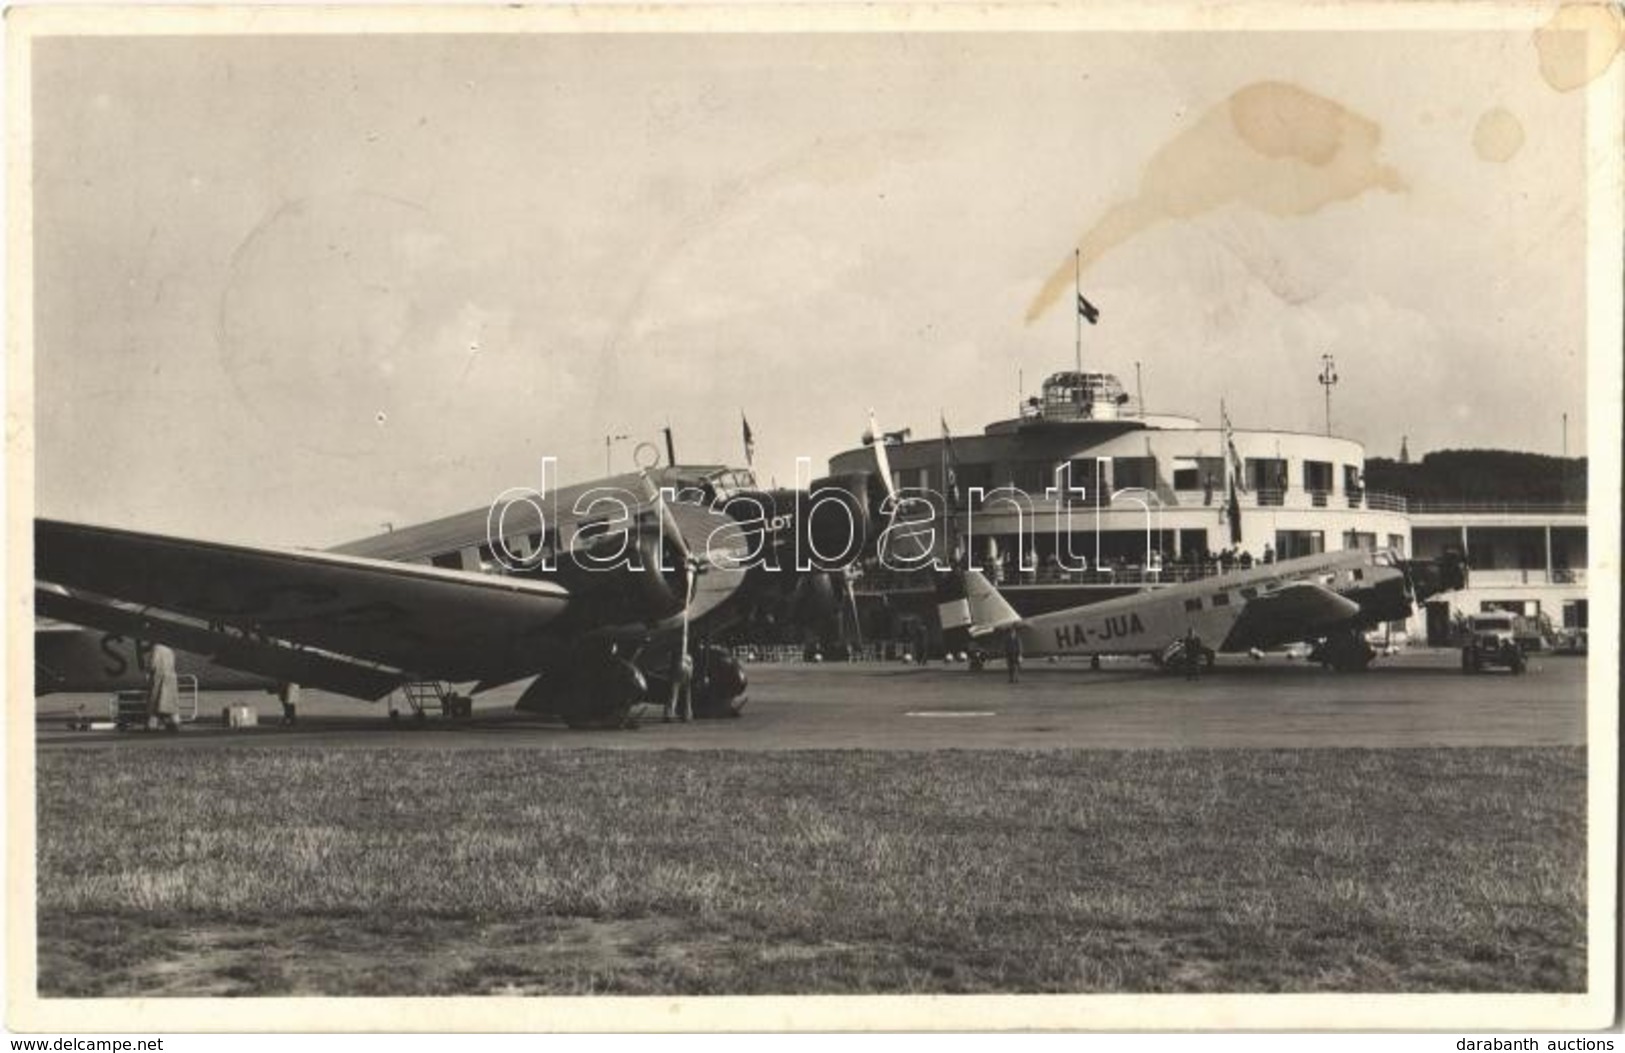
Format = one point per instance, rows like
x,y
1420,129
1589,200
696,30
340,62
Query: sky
x,y
289,289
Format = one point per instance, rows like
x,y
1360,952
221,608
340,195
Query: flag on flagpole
x,y
1234,515
950,474
1088,311
1236,474
750,441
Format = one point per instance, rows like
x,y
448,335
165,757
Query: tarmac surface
x,y
1419,698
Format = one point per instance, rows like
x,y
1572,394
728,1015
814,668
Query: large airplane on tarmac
x,y
593,589
1331,599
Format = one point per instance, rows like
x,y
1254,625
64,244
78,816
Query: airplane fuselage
x,y
1148,622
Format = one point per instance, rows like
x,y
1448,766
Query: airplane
x,y
592,589
1331,598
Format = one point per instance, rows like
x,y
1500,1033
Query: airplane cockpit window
x,y
725,484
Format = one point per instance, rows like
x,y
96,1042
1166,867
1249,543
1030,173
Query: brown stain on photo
x,y
1274,146
1498,135
1578,43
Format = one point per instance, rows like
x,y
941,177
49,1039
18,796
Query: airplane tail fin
x,y
989,611
968,606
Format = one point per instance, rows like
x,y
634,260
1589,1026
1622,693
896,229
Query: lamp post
x,y
1328,377
608,440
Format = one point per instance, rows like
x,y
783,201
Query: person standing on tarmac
x,y
1193,654
163,690
288,693
1012,655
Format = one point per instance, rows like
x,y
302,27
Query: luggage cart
x,y
128,709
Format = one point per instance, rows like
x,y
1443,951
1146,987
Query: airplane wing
x,y
1296,611
354,624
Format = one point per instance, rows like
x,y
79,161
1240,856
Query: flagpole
x,y
1077,315
947,494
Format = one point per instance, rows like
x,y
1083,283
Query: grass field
x,y
371,872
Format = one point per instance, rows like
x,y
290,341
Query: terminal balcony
x,y
1110,575
1498,577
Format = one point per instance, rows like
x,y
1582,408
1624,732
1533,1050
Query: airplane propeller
x,y
693,567
693,579
875,439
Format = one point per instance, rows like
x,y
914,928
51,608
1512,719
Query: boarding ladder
x,y
423,697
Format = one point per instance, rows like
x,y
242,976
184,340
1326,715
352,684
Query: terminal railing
x,y
1499,507
1127,574
1368,500
1527,576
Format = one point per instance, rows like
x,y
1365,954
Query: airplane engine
x,y
616,580
1430,577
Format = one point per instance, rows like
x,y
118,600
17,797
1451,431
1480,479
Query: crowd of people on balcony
x,y
1162,566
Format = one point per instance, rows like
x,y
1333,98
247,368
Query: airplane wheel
x,y
394,716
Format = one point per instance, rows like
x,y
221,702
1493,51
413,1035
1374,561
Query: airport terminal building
x,y
1084,495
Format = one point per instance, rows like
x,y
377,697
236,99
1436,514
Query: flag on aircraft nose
x,y
750,442
1088,311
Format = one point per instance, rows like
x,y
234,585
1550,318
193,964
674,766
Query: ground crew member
x,y
163,690
288,692
1012,655
1193,654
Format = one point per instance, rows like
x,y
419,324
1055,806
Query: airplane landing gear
x,y
719,684
1346,652
595,693
718,690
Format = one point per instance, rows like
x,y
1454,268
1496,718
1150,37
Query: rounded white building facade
x,y
1081,477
